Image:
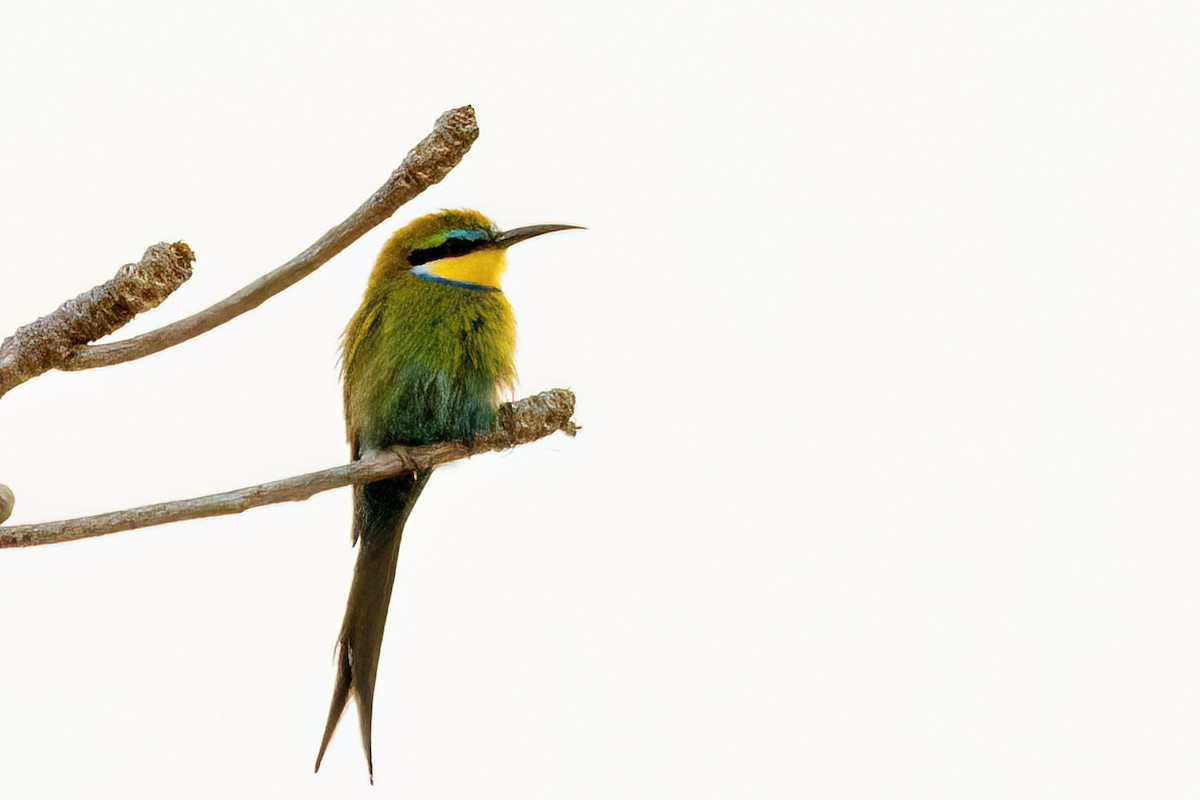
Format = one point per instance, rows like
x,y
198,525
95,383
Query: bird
x,y
426,358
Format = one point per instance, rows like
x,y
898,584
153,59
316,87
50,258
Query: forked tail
x,y
380,510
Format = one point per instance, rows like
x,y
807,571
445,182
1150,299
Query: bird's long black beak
x,y
509,238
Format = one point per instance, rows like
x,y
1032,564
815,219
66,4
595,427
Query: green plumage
x,y
425,359
425,362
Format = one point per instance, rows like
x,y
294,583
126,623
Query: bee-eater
x,y
425,359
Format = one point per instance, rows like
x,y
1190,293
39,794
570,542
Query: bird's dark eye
x,y
453,246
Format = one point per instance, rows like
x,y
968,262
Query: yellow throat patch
x,y
478,270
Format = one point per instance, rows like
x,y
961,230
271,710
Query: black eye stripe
x,y
453,246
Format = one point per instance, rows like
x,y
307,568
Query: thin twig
x,y
426,164
48,342
519,423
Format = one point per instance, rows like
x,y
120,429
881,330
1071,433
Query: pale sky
x,y
885,335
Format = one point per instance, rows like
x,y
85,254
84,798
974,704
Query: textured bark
x,y
426,164
519,423
60,339
49,342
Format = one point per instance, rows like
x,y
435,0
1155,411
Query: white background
x,y
885,338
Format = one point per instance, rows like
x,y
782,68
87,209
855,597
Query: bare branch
x,y
519,423
426,164
6,502
48,342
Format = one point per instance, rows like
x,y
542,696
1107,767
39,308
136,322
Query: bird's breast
x,y
430,364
